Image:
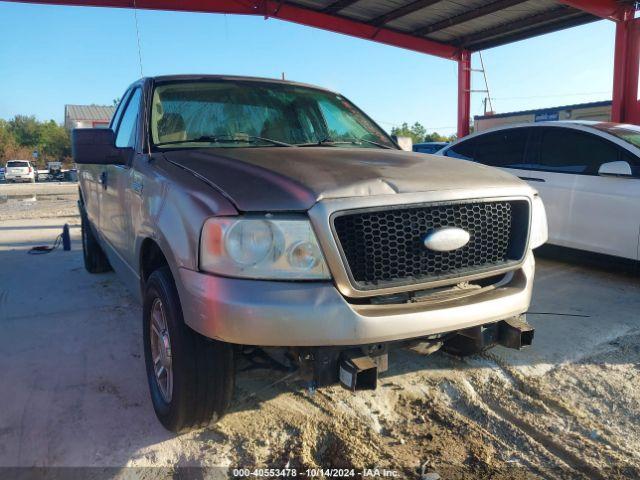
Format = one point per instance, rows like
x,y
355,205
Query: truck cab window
x,y
126,136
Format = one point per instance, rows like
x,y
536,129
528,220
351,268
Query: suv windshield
x,y
243,113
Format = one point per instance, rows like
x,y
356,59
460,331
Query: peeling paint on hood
x,y
294,179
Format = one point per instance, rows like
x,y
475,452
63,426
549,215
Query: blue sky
x,y
51,55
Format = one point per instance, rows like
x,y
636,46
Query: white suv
x,y
20,171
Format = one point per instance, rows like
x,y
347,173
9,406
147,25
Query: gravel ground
x,y
37,200
75,392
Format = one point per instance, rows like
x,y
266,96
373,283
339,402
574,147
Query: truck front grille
x,y
385,248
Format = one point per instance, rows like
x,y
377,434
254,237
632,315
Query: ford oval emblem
x,y
446,239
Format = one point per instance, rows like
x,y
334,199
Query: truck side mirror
x,y
615,169
96,146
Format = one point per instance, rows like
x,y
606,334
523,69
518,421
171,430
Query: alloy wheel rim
x,y
161,350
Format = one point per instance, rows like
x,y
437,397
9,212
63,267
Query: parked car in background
x,y
71,175
20,171
249,212
55,171
429,147
1,173
587,173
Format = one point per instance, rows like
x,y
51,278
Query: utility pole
x,y
486,85
487,99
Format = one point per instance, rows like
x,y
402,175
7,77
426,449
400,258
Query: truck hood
x,y
294,179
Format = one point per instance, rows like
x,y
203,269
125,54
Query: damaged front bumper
x,y
305,314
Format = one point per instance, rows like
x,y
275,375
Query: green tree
x,y
23,134
436,137
416,131
8,142
25,129
54,140
419,134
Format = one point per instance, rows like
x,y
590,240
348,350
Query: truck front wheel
x,y
191,378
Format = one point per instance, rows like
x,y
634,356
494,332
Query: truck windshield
x,y
196,114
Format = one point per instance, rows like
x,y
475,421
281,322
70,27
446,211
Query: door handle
x,y
532,179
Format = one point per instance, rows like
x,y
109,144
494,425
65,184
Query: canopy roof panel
x,y
444,28
471,24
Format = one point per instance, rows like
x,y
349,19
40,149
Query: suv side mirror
x,y
96,146
615,169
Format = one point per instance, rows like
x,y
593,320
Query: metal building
x,y
598,111
87,116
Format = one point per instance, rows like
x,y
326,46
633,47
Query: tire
x,y
202,370
95,260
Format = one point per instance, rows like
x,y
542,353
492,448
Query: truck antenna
x,y
135,17
144,94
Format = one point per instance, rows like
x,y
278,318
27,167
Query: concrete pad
x,y
575,309
37,188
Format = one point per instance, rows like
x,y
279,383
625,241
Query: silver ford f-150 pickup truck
x,y
248,213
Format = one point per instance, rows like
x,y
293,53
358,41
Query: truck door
x,y
115,221
90,176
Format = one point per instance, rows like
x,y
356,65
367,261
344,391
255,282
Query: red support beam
x,y
625,107
464,93
282,11
609,9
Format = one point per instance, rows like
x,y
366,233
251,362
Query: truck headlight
x,y
264,247
539,229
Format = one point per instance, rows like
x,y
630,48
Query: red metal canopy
x,y
447,29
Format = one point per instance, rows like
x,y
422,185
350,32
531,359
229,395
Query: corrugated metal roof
x,y
471,24
88,112
504,16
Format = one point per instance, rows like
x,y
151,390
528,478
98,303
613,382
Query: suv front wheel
x,y
191,378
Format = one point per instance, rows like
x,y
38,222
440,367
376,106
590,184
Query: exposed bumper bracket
x,y
357,371
515,333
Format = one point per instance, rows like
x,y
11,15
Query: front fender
x,y
174,205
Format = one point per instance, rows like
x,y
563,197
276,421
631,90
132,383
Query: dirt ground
x,y
75,393
37,200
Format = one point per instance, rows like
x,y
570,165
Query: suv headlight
x,y
264,247
539,229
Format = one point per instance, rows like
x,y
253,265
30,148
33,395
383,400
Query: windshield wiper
x,y
354,141
226,139
370,142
